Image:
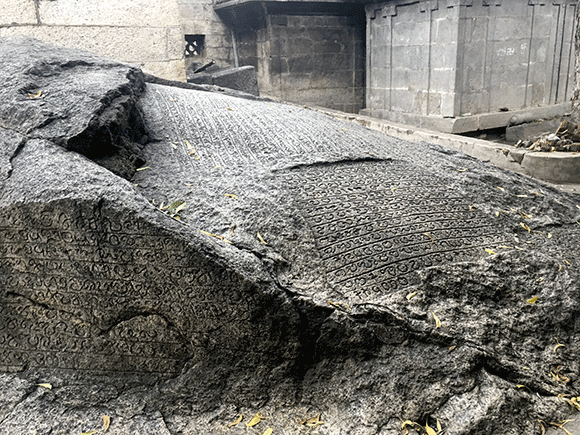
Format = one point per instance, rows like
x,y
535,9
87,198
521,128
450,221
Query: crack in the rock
x,y
340,161
15,154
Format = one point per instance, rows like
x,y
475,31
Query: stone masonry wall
x,y
199,18
145,33
316,60
456,57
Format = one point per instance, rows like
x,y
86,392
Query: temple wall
x,y
309,59
451,58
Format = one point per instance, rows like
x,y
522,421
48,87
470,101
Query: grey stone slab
x,y
272,259
529,130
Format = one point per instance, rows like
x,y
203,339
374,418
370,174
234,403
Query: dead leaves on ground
x,y
106,422
216,236
437,321
312,422
237,421
423,430
257,418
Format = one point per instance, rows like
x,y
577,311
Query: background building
x,y
453,65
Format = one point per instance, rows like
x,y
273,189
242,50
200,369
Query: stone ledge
x,y
555,167
465,124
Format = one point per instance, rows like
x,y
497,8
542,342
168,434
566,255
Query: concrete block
x,y
136,13
17,12
556,167
529,130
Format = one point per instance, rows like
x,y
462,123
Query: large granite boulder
x,y
172,259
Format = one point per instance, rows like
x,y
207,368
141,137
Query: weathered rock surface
x,y
316,268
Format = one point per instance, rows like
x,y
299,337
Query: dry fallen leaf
x,y
490,252
557,345
410,295
106,422
532,300
268,431
452,348
472,207
255,420
230,195
313,421
238,420
339,305
143,168
500,188
429,235
429,430
261,239
409,423
542,426
525,227
437,321
526,216
216,236
462,170
522,196
91,432
45,386
540,279
37,95
439,429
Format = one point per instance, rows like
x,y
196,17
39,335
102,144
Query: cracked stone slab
x,y
270,259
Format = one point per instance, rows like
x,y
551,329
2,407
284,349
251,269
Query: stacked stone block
x,y
452,58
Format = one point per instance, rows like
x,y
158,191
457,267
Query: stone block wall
x,y
310,59
450,58
145,33
199,18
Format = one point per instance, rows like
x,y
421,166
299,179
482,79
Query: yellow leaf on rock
x,y
37,95
313,421
408,423
439,429
261,239
557,345
268,431
462,170
532,300
500,188
106,422
410,295
238,420
45,386
143,168
230,195
490,252
525,227
255,420
91,432
429,430
437,321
